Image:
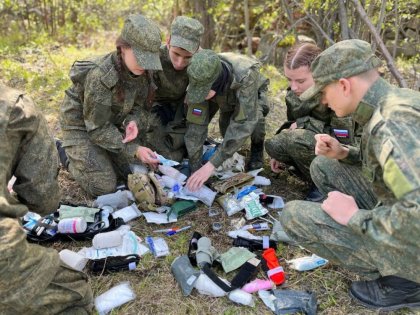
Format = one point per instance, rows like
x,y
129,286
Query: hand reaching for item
x,y
199,177
147,156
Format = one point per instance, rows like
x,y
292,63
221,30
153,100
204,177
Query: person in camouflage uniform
x,y
294,142
381,242
232,83
32,278
110,94
167,120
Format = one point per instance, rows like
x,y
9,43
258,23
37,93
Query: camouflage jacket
x,y
243,97
94,104
27,151
171,84
318,118
390,153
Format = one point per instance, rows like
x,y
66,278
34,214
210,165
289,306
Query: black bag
x,y
114,263
49,230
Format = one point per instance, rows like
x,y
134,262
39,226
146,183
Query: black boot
x,y
314,195
64,161
256,160
386,293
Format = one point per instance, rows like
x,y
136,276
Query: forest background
x,y
40,39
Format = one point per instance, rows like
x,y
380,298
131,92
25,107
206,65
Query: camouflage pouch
x,y
239,180
147,191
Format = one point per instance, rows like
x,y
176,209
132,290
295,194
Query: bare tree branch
x,y
380,21
382,47
265,58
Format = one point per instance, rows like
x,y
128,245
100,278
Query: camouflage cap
x,y
342,60
186,33
203,70
144,37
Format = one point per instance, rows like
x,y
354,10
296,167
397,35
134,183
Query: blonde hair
x,y
301,55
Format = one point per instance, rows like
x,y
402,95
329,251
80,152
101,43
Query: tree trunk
x,y
378,40
247,32
201,8
380,21
342,16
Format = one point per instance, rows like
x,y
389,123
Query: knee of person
x,y
101,185
318,166
269,147
288,215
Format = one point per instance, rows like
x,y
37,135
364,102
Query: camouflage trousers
x,y
34,281
258,135
95,169
330,175
307,224
293,147
166,131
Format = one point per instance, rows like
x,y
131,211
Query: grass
x,y
43,73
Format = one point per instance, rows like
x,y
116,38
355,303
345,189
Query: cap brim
x,y
147,60
184,43
197,93
311,92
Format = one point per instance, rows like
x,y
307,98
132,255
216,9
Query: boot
x,y
257,156
314,195
386,293
64,160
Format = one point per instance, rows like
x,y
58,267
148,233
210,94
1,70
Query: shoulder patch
x,y
395,180
375,121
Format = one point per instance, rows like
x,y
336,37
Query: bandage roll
x,y
107,239
72,225
74,260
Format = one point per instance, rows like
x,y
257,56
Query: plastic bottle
x,y
72,225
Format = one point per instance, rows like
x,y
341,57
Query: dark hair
x,y
120,42
301,55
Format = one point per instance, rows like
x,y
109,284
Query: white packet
x,y
116,200
253,207
307,263
128,213
204,194
241,297
159,218
206,286
114,297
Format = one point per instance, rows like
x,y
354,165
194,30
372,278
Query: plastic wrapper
x,y
253,207
114,297
230,204
307,263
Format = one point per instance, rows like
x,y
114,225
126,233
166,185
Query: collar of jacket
x,y
371,101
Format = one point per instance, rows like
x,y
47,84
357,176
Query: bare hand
x,y
276,166
131,132
330,147
293,126
340,207
199,177
147,156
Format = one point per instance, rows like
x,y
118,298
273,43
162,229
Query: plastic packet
x,y
159,218
114,297
164,161
307,262
241,297
157,246
230,204
73,259
128,213
206,286
119,199
172,172
204,194
253,207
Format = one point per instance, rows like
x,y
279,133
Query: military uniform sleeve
x,y
243,122
36,167
394,145
97,115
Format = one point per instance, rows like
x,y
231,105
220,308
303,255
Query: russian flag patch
x,y
341,133
197,111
